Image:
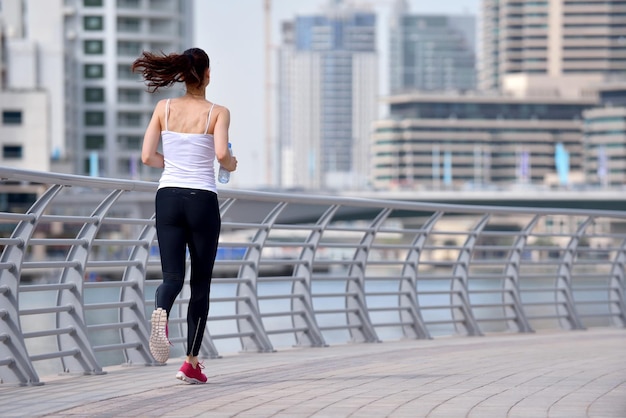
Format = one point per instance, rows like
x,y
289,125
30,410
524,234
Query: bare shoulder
x,y
160,104
221,111
219,108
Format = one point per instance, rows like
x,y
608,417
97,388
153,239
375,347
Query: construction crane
x,y
269,143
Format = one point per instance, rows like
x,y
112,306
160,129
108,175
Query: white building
x,y
108,105
31,91
75,57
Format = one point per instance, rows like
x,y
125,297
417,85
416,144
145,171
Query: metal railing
x,y
80,265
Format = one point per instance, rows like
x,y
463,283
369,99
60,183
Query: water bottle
x,y
223,175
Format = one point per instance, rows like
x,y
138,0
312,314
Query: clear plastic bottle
x,y
223,175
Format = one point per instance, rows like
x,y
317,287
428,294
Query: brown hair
x,y
161,70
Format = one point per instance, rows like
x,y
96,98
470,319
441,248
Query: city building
x,y
605,138
473,140
327,97
108,106
31,89
431,52
581,40
69,100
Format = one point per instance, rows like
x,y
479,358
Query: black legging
x,y
187,218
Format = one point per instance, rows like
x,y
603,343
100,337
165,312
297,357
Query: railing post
x,y
510,285
137,313
463,313
312,336
617,288
85,361
361,328
409,305
13,351
247,290
564,298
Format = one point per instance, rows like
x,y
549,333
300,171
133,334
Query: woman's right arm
x,y
220,136
149,150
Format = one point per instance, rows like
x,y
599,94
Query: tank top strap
x,y
167,113
208,120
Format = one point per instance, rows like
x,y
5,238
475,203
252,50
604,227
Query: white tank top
x,y
189,158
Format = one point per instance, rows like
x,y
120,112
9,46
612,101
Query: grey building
x,y
605,138
327,97
108,106
453,141
431,52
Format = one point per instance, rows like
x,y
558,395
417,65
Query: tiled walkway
x,y
558,374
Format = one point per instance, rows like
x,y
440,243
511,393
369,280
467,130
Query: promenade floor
x,y
565,374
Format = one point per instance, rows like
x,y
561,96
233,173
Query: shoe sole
x,y
182,376
159,343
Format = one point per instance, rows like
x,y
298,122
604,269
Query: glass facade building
x,y
432,52
328,87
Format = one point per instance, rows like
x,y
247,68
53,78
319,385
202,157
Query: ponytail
x,y
161,70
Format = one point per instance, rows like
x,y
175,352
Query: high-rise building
x,y
327,97
69,100
108,106
556,38
431,52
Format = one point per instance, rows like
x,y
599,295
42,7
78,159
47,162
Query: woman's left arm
x,y
150,155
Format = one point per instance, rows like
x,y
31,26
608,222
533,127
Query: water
x,y
433,298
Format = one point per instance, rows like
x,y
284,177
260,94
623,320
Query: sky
x,y
232,33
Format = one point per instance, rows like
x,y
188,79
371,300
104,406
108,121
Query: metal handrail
x,y
79,267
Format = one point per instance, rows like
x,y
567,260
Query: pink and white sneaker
x,y
159,342
188,374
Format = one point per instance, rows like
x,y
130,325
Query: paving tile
x,y
556,374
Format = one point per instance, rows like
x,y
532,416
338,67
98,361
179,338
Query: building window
x,y
12,152
92,3
92,47
129,4
11,117
129,119
94,118
128,48
93,23
94,95
94,70
94,142
128,24
124,73
129,142
129,96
